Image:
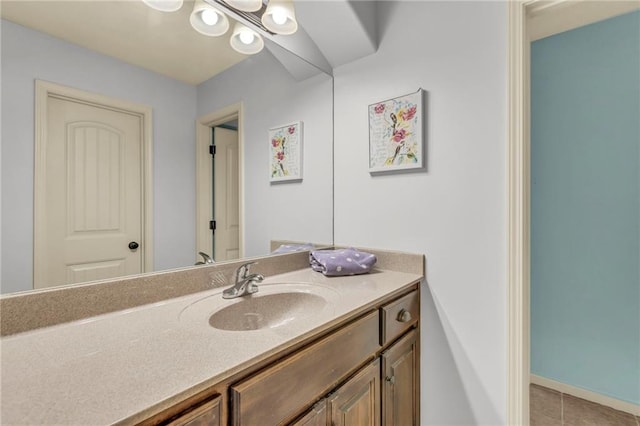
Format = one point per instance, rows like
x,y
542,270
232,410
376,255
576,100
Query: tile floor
x,y
552,408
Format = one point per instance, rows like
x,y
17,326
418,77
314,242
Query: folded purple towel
x,y
347,261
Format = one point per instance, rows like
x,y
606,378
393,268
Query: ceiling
x,y
132,32
166,43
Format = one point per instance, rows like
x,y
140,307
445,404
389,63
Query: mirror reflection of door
x,y
226,202
92,210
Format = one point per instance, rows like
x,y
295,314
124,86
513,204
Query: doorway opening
x,y
219,185
528,20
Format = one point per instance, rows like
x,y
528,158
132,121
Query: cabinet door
x,y
357,402
206,414
400,385
317,416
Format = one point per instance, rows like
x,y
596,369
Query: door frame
x,y
43,91
530,20
204,175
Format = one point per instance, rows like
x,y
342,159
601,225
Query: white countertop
x,y
111,368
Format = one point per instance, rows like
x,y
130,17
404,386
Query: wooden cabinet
x,y
322,382
317,416
400,383
280,392
399,316
357,402
204,414
386,391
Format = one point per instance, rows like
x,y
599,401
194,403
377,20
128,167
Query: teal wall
x,y
585,214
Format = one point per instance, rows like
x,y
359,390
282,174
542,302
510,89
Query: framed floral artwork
x,y
285,144
395,133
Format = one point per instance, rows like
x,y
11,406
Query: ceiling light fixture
x,y
164,5
280,17
245,5
245,40
210,18
207,20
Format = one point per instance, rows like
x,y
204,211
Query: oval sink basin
x,y
267,311
274,306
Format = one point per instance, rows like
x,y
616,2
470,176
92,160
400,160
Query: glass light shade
x,y
164,5
245,5
203,13
280,17
245,40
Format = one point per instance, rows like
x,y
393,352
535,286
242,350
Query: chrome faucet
x,y
207,259
245,283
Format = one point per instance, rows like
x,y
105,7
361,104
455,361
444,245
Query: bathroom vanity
x,y
363,370
325,351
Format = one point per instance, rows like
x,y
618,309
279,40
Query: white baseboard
x,y
617,404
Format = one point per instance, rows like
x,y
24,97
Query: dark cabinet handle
x,y
133,245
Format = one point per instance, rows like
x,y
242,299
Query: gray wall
x,y
300,211
28,55
455,210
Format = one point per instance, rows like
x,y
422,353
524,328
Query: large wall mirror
x,y
189,82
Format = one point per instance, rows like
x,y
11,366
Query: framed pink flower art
x,y
395,133
285,147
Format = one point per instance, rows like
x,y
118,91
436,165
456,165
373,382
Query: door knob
x,y
133,245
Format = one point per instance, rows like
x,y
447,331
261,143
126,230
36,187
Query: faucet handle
x,y
244,269
206,259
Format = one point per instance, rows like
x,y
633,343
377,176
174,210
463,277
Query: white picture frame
x,y
285,152
396,133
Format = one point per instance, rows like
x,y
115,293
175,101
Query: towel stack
x,y
342,262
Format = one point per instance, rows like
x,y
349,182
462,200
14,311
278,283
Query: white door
x,y
226,201
93,194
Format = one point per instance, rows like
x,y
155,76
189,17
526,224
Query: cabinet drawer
x,y
398,316
281,392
